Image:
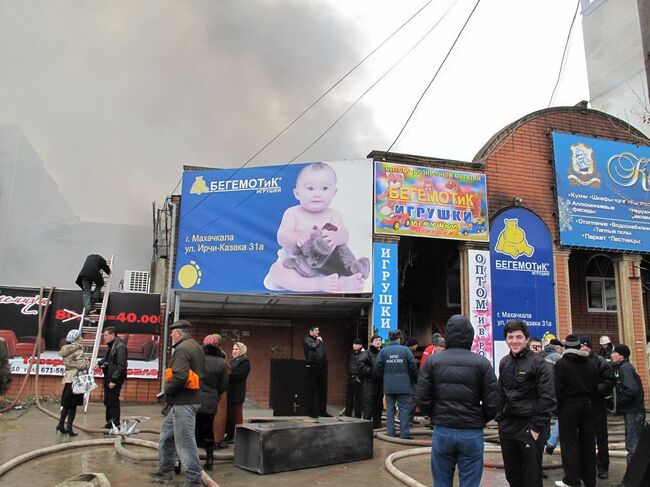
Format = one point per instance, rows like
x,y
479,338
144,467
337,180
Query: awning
x,y
271,305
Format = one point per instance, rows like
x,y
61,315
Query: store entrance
x,y
429,285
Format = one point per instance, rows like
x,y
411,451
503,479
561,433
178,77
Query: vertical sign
x,y
521,266
384,303
480,302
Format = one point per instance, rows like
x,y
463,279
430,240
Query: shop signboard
x,y
136,317
522,274
429,202
603,193
386,292
296,228
480,301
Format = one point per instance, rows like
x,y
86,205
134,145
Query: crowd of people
x,y
457,389
460,392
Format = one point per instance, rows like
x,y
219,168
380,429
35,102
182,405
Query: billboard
x,y
429,202
385,310
297,228
603,193
523,277
135,316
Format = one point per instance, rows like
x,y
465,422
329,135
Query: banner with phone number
x,y
135,316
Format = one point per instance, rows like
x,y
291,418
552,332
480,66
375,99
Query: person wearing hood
x,y
240,367
576,387
527,399
74,362
458,390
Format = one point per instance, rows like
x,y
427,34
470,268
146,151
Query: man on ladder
x,y
89,274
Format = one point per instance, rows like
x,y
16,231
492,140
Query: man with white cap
x,y
606,348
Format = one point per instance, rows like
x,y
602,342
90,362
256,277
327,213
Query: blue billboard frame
x,y
603,193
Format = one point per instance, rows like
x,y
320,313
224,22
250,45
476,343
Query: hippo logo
x,y
512,240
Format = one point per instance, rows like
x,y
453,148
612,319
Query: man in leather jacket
x,y
114,367
316,365
527,397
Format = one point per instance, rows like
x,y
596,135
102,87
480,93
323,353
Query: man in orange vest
x,y
183,395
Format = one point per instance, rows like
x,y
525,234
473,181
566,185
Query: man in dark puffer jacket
x,y
527,397
457,389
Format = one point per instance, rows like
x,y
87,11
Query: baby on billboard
x,y
314,254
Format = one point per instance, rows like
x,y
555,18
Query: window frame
x,y
603,280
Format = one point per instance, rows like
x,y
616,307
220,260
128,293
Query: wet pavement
x,y
30,429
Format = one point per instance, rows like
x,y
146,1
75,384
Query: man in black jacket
x,y
316,365
606,381
354,394
457,389
114,367
576,385
527,399
373,391
90,274
629,398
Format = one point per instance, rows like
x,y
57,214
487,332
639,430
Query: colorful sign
x,y
429,202
603,193
522,272
298,228
136,318
480,301
385,298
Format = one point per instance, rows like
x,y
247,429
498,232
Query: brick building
x,y
519,166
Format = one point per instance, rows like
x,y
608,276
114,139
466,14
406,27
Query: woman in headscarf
x,y
74,362
240,367
213,384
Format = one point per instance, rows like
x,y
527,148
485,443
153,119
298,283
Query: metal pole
x,y
170,292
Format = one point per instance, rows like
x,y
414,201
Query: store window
x,y
453,280
601,284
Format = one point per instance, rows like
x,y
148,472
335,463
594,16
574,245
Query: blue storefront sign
x,y
521,266
298,228
384,304
603,193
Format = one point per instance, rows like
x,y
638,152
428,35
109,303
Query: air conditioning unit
x,y
136,281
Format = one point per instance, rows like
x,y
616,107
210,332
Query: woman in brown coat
x,y
74,361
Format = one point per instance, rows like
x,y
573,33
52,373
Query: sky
x,y
117,96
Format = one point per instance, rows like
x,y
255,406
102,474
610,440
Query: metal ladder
x,y
93,324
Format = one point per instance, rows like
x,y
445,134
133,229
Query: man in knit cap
x,y
629,397
576,385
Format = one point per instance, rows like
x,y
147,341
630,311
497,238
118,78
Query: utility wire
x,y
376,82
281,168
564,53
304,112
434,76
319,99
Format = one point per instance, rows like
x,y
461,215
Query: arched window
x,y
453,280
601,284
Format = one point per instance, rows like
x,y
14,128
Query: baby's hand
x,y
302,240
332,238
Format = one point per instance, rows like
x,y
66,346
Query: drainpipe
x,y
170,292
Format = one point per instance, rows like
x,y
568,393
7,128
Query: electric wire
x,y
284,166
564,54
435,75
376,82
304,112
